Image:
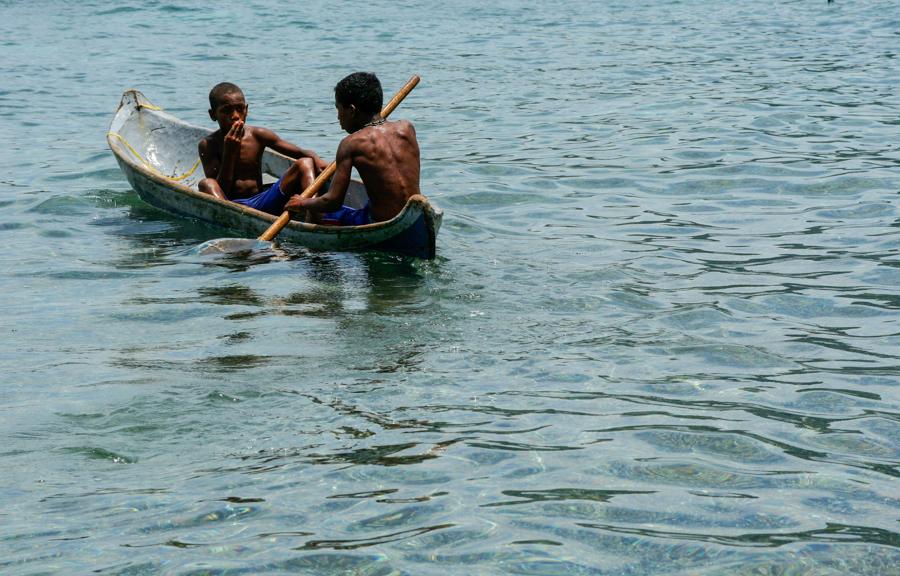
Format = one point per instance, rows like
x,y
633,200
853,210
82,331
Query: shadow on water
x,y
160,239
149,226
395,283
333,284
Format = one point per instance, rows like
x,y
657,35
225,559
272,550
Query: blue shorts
x,y
347,216
271,200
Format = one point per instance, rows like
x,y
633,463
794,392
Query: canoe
x,y
158,154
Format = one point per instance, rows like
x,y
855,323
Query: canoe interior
x,y
167,146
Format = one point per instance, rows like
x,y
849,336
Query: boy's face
x,y
229,109
346,116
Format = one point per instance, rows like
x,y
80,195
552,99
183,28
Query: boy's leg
x,y
211,186
298,178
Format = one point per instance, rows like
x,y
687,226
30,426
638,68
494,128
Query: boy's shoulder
x,y
405,126
212,138
394,128
351,143
260,132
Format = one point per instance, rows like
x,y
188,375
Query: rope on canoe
x,y
149,166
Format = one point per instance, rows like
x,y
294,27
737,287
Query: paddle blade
x,y
233,246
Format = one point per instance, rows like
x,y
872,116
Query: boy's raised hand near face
x,y
232,142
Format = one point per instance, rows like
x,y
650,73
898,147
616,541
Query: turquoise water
x,y
661,336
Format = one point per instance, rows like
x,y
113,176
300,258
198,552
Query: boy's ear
x,y
212,114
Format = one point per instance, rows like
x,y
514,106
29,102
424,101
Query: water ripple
x,y
660,336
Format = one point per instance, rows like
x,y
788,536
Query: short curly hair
x,y
220,90
362,89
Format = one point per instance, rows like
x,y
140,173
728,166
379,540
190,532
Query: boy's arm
x,y
272,140
333,199
210,166
222,169
209,160
231,155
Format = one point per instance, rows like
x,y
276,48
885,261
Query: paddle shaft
x,y
328,172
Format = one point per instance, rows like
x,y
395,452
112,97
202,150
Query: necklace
x,y
377,122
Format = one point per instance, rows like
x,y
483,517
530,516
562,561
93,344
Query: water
x,y
661,336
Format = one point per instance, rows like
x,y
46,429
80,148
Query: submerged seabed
x,y
660,338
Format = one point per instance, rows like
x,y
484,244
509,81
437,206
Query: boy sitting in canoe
x,y
385,154
232,156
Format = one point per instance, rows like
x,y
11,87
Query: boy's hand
x,y
232,144
295,204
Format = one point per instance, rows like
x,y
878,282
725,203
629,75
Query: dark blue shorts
x,y
347,216
271,200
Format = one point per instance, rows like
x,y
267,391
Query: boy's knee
x,y
299,167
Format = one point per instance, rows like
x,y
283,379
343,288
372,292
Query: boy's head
x,y
357,97
227,104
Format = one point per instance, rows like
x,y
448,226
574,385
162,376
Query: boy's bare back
x,y
386,156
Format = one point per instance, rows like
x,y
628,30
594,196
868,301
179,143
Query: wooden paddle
x,y
328,172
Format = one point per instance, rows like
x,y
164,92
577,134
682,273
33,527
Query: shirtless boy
x,y
232,156
386,155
